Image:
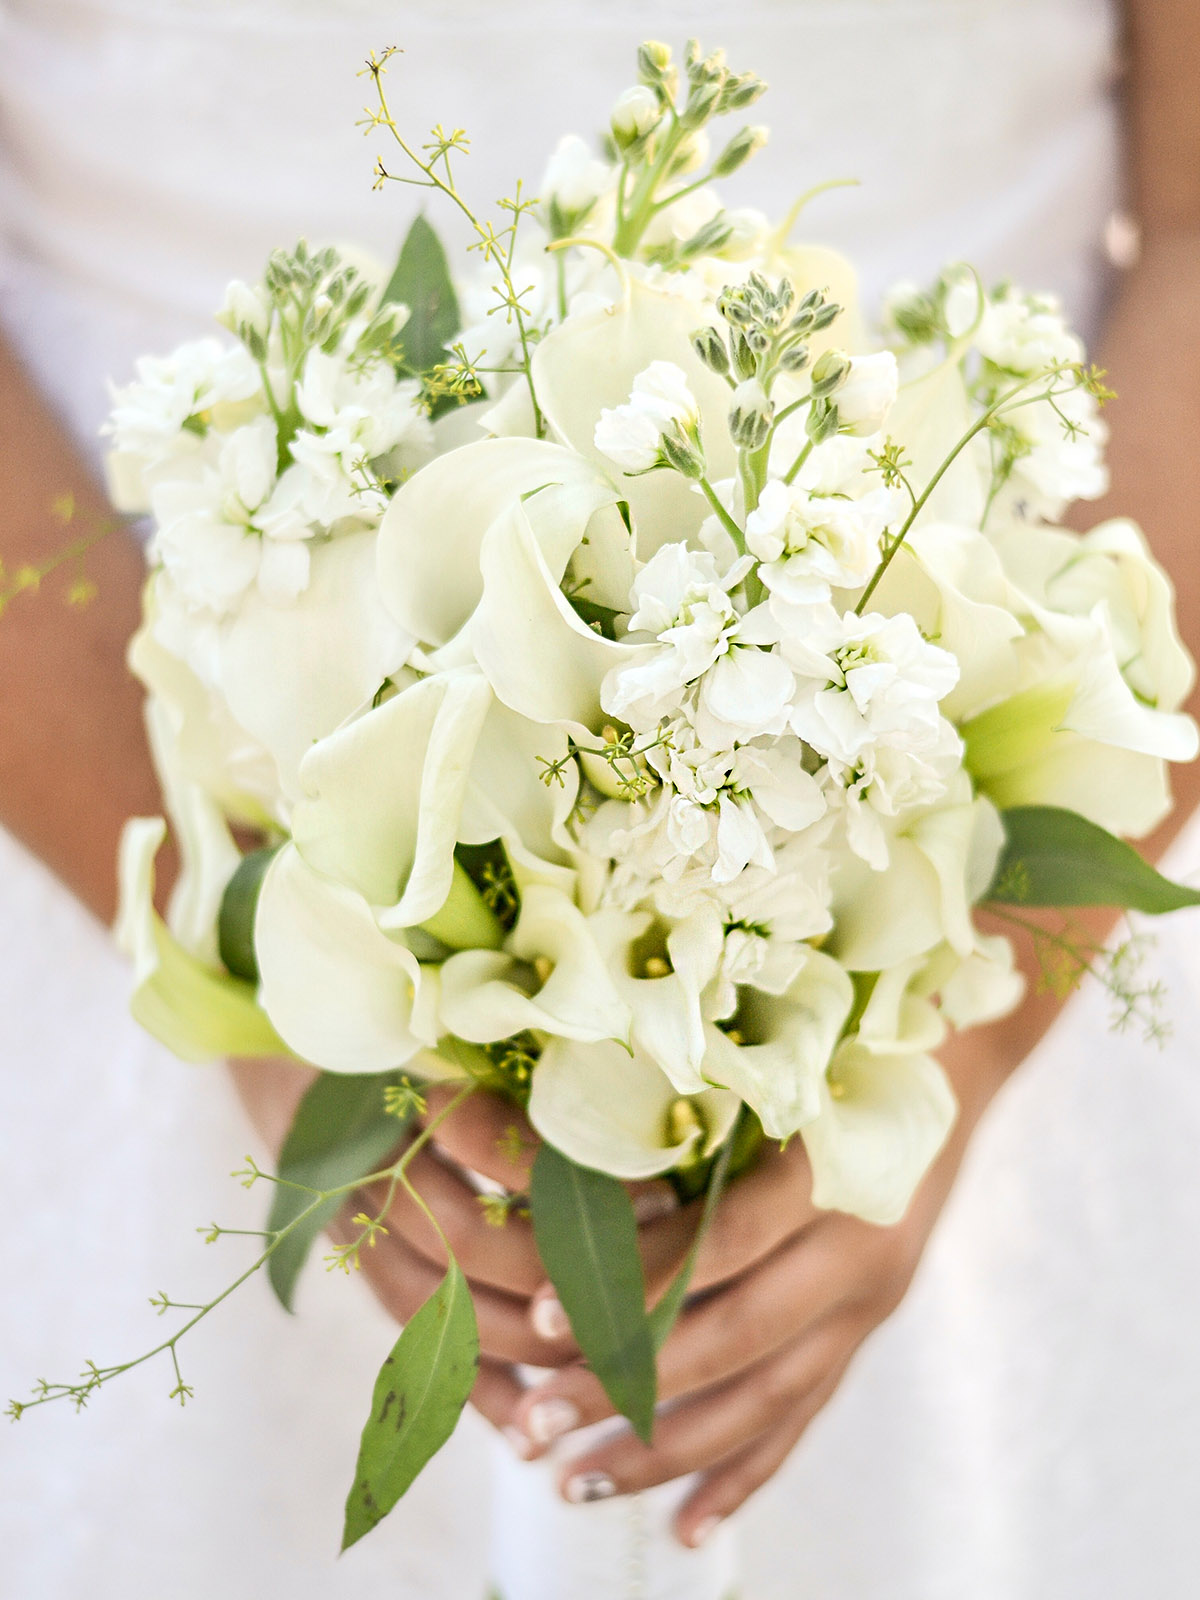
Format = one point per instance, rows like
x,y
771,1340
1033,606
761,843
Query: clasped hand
x,y
782,1296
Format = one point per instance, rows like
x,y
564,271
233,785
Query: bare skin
x,y
790,1293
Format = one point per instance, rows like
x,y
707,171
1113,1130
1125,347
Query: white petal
x,y
541,660
384,792
337,989
292,673
589,363
880,1129
781,1071
431,534
609,1110
198,1013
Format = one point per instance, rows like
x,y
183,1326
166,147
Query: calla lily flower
x,y
551,976
383,795
789,1040
621,1114
342,993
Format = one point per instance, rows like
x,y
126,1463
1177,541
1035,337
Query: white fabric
x,y
1024,1427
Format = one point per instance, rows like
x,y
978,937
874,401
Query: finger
x,y
495,1395
402,1280
758,1212
731,1330
503,1256
485,1134
722,1422
731,1484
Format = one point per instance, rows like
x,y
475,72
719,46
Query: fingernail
x,y
703,1531
653,1204
522,1445
549,1319
548,1420
589,1486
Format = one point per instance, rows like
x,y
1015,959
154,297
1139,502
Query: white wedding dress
x,y
1024,1428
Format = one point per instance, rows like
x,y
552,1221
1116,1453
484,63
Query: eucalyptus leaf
x,y
1054,857
666,1312
422,282
235,920
586,1235
340,1133
419,1395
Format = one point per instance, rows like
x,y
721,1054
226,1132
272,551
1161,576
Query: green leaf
x,y
419,1395
340,1133
666,1312
586,1235
421,281
235,921
1054,857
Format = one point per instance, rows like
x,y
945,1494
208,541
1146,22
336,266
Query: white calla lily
x,y
199,1013
432,533
540,658
619,1113
383,795
589,363
551,976
293,673
884,1117
790,1040
342,993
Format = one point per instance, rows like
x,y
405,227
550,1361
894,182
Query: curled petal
x,y
341,993
611,1110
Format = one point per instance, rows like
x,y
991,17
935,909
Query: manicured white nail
x,y
549,1319
549,1419
703,1531
522,1446
652,1204
589,1486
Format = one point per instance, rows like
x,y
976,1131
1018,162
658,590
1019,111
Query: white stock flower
x,y
681,597
229,524
661,402
1062,457
1025,333
867,393
575,178
811,543
635,112
148,414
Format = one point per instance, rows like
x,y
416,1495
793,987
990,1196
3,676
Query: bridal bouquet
x,y
613,677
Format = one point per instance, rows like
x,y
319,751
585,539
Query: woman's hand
x,y
787,1295
406,1264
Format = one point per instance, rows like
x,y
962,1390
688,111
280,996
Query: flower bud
x,y
710,347
738,151
245,310
683,453
750,415
822,421
708,239
830,372
745,362
867,393
701,105
635,114
794,359
574,180
742,91
653,59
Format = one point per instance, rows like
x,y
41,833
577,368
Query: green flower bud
x,y
740,92
738,151
794,359
711,348
830,372
637,112
823,421
708,239
750,415
653,59
701,105
827,314
682,452
745,362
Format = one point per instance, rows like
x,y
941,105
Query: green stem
x,y
630,230
790,475
726,521
919,504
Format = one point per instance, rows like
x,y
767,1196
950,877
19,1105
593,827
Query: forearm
x,y
73,757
